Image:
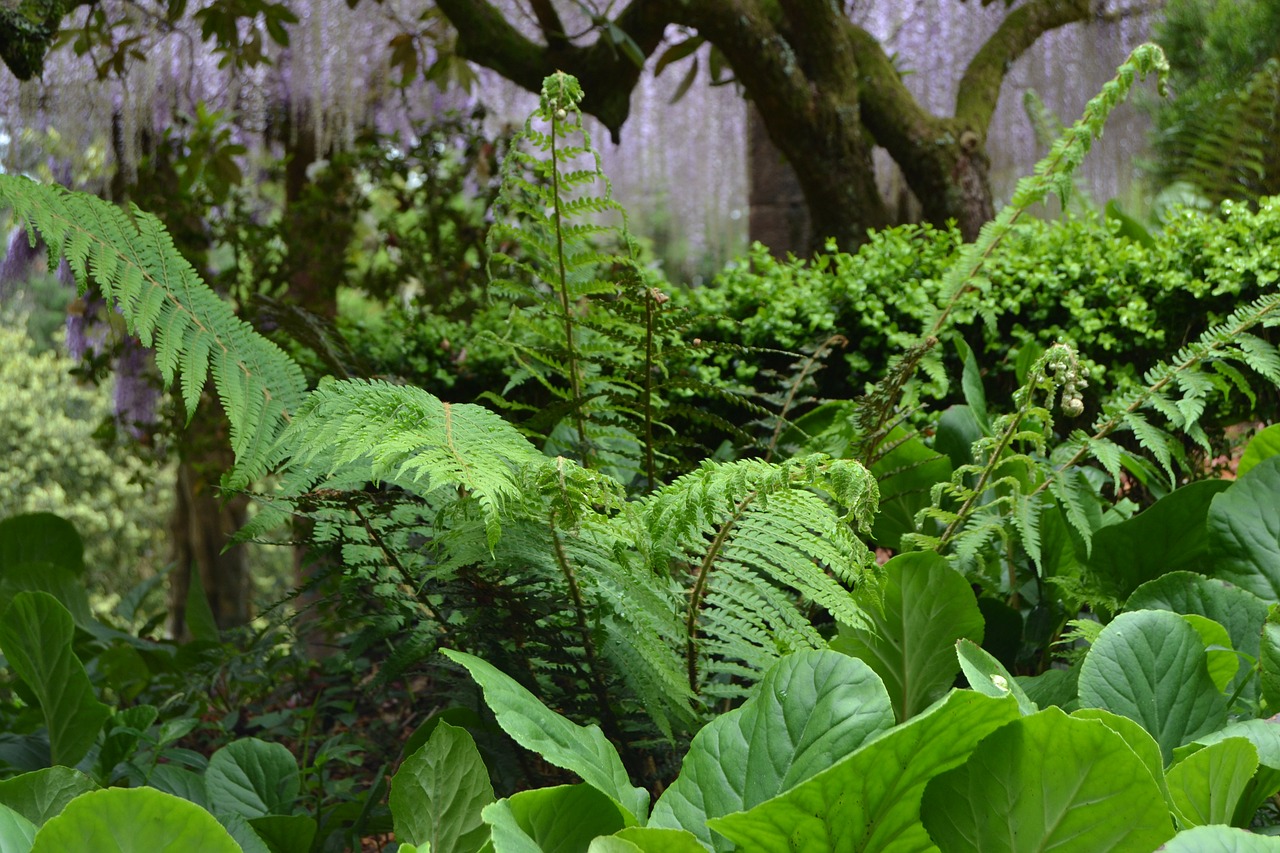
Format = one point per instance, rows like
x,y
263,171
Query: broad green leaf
x,y
1135,736
648,839
16,832
1220,657
870,801
1262,446
60,582
36,633
811,708
1265,737
1206,786
41,794
926,606
987,675
1220,839
971,384
252,778
439,791
122,733
243,834
582,749
553,820
40,537
1047,782
1052,687
180,782
200,620
1238,610
1169,536
293,833
133,820
1269,658
1244,531
905,476
957,429
1150,666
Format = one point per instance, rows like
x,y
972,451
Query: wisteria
x,y
19,258
136,392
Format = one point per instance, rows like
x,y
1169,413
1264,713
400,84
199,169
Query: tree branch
x,y
980,86
486,38
816,32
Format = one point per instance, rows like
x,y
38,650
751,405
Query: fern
x,y
1226,149
165,304
1052,175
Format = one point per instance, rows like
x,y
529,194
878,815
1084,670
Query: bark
x,y
202,524
826,91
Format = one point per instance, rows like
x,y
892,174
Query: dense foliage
x,y
716,629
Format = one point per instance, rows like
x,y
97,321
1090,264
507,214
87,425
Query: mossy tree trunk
x,y
826,90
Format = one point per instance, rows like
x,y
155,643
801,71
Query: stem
x,y
1105,429
650,465
700,589
575,385
820,352
607,718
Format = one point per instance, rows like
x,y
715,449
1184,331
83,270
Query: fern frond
x,y
169,308
371,430
744,531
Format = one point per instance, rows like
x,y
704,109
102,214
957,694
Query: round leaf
x,y
1047,782
1244,531
1151,667
133,820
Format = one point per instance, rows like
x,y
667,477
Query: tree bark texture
x,y
826,91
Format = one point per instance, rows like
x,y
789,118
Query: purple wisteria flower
x,y
19,257
136,393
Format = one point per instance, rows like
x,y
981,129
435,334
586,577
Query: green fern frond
x,y
165,304
370,430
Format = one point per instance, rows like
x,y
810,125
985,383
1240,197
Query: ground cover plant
x,y
714,629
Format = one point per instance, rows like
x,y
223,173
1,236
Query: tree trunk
x,y
201,525
778,215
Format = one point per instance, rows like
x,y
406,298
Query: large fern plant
x,y
464,531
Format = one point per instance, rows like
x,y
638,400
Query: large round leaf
x,y
810,710
1047,782
133,820
1262,446
1244,531
438,793
1169,536
16,832
35,635
1220,839
926,607
40,537
563,819
1206,786
1150,666
870,801
252,778
41,794
1238,610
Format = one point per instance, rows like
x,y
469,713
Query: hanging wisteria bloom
x,y
136,392
19,258
86,332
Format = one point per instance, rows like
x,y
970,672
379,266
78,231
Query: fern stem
x,y
700,589
575,382
598,687
805,371
651,307
993,462
1105,429
423,602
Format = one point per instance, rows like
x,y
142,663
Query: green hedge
x,y
1123,302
